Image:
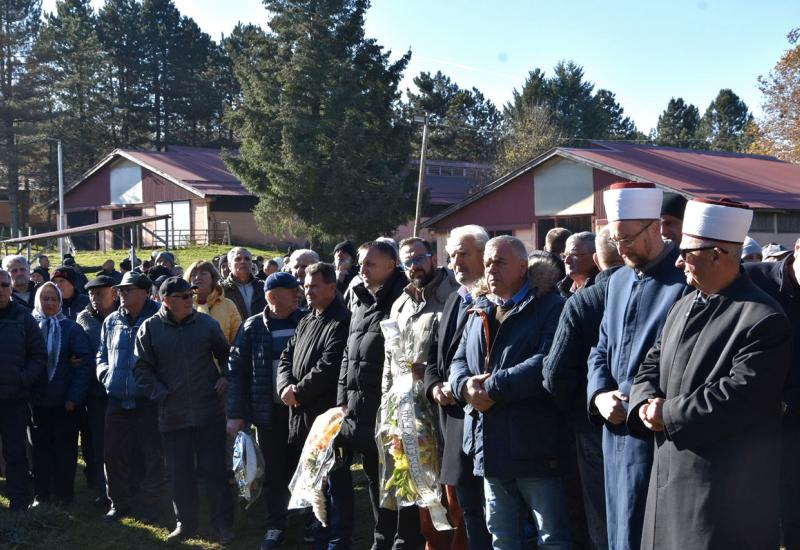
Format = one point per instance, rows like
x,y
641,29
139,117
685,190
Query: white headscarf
x,y
51,328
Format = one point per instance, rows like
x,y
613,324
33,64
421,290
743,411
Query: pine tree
x,y
323,144
20,22
678,125
463,124
724,122
77,67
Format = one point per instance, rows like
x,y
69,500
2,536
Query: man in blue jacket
x,y
639,297
24,364
132,441
511,424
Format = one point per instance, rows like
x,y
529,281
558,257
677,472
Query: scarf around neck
x,y
51,329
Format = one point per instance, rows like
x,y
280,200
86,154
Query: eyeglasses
x,y
415,261
628,241
685,251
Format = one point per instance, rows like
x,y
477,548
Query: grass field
x,y
81,527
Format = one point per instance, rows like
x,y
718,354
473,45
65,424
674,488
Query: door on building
x,y
77,219
575,224
122,235
179,227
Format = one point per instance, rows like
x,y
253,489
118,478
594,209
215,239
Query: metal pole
x,y
421,181
61,220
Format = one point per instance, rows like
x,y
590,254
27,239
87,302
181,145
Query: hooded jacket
x,y
223,310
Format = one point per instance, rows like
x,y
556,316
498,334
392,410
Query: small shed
x,y
564,187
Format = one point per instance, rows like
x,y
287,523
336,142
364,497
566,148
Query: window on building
x,y
499,232
789,222
433,170
763,222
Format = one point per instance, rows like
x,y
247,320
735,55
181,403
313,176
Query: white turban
x,y
632,201
723,220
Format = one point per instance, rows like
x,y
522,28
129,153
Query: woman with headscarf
x,y
57,398
210,298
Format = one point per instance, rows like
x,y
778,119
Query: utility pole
x,y
421,182
61,221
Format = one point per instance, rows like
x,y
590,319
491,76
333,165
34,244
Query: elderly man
x,y
709,394
344,260
578,259
565,377
781,280
298,262
253,395
102,302
672,211
360,383
465,246
241,287
497,372
638,297
175,353
23,289
307,383
132,453
24,364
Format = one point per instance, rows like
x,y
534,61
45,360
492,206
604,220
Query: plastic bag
x,y
316,461
406,436
248,466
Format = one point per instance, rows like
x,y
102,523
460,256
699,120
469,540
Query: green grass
x,y
81,527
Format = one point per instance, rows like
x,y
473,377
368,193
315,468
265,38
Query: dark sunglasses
x,y
686,251
415,261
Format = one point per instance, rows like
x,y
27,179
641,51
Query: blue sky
x,y
645,51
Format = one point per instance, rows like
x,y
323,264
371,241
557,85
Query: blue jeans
x,y
470,498
544,497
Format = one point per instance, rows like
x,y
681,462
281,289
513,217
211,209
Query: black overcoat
x,y
721,366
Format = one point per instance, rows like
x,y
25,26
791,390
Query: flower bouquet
x,y
406,432
316,461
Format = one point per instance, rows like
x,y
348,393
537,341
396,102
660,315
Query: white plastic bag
x,y
248,467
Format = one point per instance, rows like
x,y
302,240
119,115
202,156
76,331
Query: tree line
x,y
308,109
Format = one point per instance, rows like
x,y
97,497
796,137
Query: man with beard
x,y
464,489
639,296
417,312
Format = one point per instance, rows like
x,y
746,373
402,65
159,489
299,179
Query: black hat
x,y
101,281
281,279
69,261
43,272
674,205
158,271
134,278
346,246
65,272
174,284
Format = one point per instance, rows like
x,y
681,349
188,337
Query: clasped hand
x,y
475,393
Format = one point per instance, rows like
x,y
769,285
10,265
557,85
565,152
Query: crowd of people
x,y
625,389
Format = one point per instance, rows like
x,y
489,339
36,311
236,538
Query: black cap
x,y
157,272
674,205
65,272
101,281
346,246
174,284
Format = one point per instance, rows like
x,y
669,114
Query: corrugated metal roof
x,y
198,168
762,182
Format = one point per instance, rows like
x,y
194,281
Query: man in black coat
x,y
465,246
360,382
709,392
565,373
781,280
23,364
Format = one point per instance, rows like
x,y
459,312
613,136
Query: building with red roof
x,y
563,187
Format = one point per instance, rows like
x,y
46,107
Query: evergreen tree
x,y
678,125
724,123
608,120
76,66
118,27
323,142
20,22
462,124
